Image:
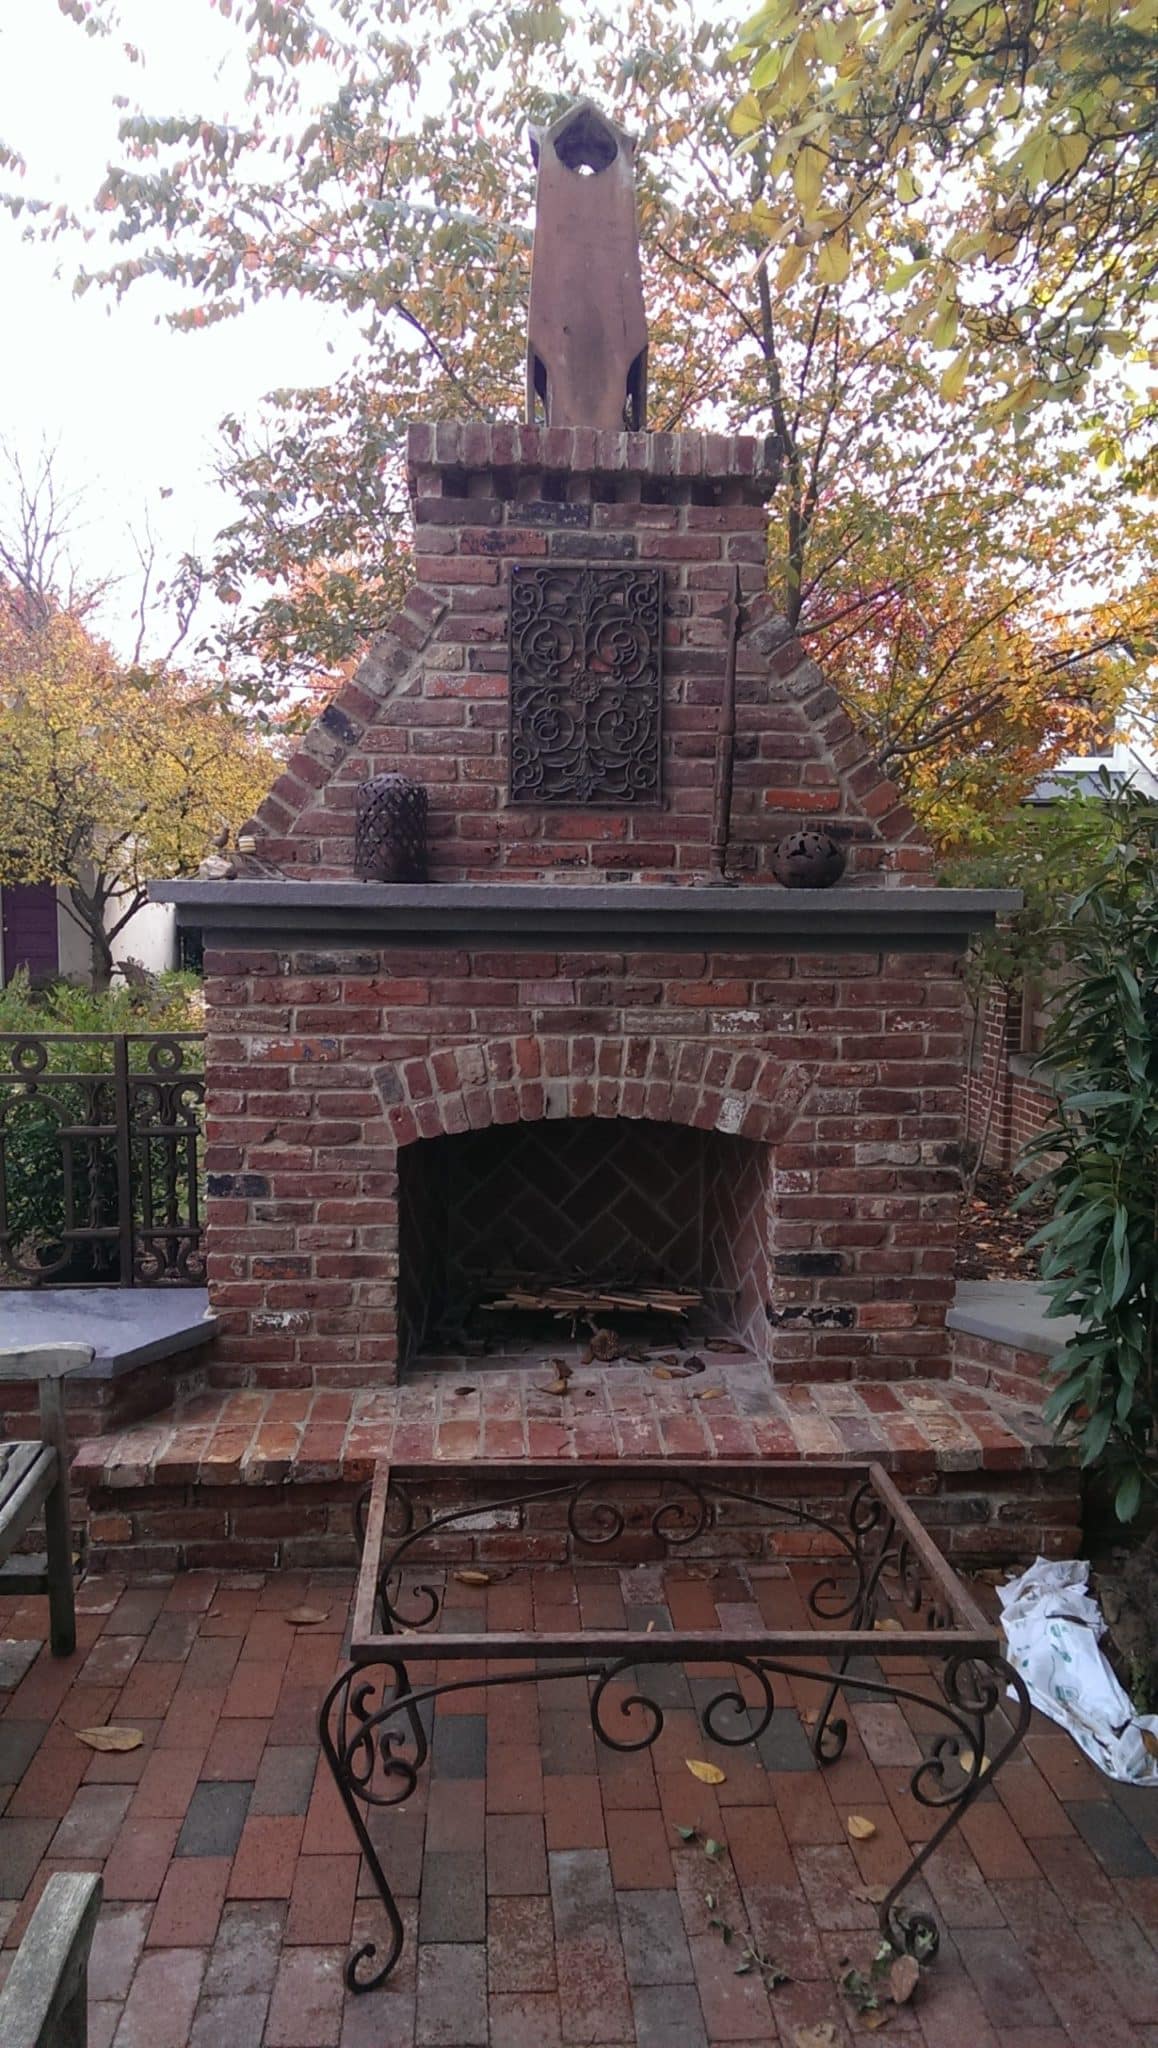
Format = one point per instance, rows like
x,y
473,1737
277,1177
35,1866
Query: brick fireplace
x,y
631,1065
601,1044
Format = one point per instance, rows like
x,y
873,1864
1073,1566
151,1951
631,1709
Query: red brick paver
x,y
549,1897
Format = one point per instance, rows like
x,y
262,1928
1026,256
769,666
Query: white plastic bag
x,y
1053,1626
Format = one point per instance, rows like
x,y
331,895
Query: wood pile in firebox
x,y
580,1299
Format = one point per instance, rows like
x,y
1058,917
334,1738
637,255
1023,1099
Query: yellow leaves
x,y
791,266
954,379
835,260
768,68
895,106
105,765
708,1774
833,39
899,279
808,177
942,328
859,1828
746,118
766,220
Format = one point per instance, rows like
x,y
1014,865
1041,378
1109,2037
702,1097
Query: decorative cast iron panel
x,y
586,684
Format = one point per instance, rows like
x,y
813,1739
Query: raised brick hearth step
x,y
265,1479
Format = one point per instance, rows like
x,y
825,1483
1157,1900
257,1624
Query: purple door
x,y
28,911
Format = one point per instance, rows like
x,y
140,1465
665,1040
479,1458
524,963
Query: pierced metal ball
x,y
808,860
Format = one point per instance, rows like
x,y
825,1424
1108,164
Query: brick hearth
x,y
262,1479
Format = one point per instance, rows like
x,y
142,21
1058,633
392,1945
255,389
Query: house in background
x,y
1128,761
38,933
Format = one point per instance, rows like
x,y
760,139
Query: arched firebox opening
x,y
610,1206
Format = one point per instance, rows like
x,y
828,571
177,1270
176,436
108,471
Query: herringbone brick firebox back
x,y
773,1118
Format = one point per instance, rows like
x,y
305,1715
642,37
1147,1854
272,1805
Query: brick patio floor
x,y
548,1895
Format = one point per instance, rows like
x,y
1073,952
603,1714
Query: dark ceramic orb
x,y
808,860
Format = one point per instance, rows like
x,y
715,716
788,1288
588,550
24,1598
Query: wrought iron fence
x,y
100,1159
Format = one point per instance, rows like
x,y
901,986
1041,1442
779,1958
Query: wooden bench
x,y
34,1475
44,2004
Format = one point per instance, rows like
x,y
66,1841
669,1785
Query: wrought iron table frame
x,y
371,1722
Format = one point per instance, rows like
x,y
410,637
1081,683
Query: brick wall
x,y
322,1066
1008,1103
976,1517
430,700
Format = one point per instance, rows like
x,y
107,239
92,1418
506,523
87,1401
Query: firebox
x,y
589,1232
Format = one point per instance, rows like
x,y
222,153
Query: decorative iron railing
x,y
100,1142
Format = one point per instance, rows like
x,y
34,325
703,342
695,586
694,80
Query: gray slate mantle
x,y
530,915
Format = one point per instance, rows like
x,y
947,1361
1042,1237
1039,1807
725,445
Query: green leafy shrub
x,y
167,1002
1099,1165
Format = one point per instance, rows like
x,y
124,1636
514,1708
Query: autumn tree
x,y
975,595
108,777
1005,159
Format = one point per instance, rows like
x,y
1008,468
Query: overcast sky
x,y
131,405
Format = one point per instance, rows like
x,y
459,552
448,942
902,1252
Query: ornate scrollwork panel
x,y
585,684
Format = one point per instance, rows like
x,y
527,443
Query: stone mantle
x,y
530,916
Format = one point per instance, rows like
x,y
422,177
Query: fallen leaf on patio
x,y
822,2035
473,1578
712,1847
904,1977
464,1390
1150,1742
306,1617
708,1393
888,1625
667,1358
708,1774
875,2020
966,1761
859,1828
686,1834
117,1739
871,1894
649,1630
674,1372
810,1716
723,1344
694,1363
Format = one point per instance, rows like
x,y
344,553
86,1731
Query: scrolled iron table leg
x,y
953,1776
370,1770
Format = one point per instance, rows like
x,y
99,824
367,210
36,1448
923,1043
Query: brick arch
x,y
743,1092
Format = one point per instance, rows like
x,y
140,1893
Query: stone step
x,y
247,1478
